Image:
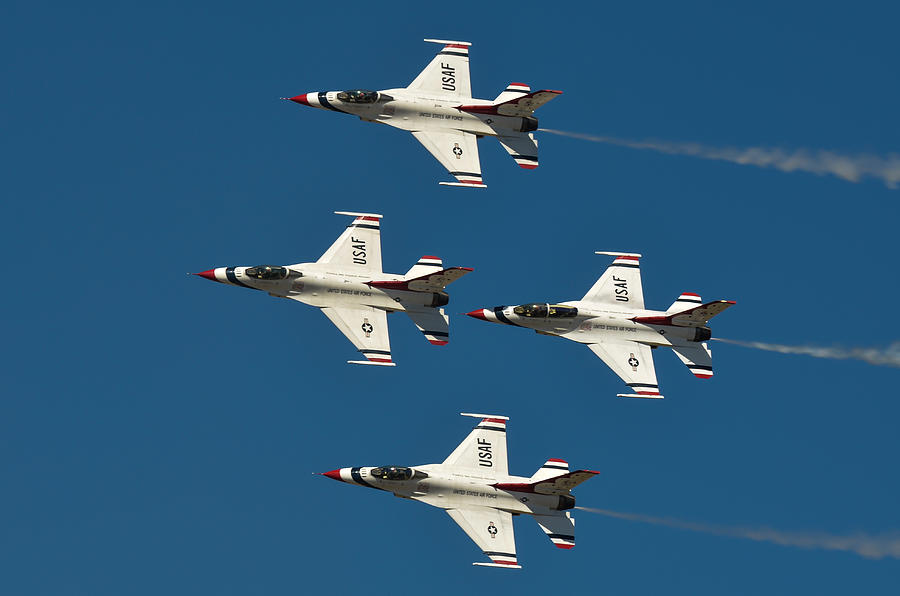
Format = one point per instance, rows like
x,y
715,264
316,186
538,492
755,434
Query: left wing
x,y
359,246
492,530
367,329
448,72
620,284
457,151
633,362
484,450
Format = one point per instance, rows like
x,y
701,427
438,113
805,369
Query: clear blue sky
x,y
158,433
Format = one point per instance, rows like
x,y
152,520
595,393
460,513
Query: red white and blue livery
x,y
474,487
348,285
612,321
440,112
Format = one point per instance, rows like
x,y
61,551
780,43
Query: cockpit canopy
x,y
542,311
266,272
392,473
358,96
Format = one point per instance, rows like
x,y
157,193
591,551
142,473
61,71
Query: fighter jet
x,y
349,287
439,111
612,321
473,486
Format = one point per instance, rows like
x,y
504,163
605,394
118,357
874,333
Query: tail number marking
x,y
484,453
359,250
448,80
621,289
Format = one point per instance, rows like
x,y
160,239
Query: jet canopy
x,y
358,96
543,311
392,473
266,272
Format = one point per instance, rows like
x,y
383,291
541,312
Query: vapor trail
x,y
889,356
847,167
864,545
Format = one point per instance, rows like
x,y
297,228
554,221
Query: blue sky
x,y
159,433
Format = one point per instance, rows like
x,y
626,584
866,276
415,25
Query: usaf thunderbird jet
x,y
612,321
349,287
473,486
439,111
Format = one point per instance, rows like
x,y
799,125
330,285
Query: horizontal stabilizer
x,y
552,467
431,282
692,317
524,105
426,264
466,184
698,359
641,395
513,91
686,301
560,529
371,363
558,485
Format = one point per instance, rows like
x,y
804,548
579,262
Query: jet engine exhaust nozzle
x,y
702,334
529,123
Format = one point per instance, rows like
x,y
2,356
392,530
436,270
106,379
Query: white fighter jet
x,y
439,111
348,285
612,321
473,486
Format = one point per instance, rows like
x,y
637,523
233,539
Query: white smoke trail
x,y
847,167
864,545
889,356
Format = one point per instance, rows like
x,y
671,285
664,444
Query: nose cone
x,y
210,275
301,99
334,474
478,314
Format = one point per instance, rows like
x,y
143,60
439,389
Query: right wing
x,y
492,530
523,148
367,329
457,151
448,72
620,284
633,362
359,246
484,450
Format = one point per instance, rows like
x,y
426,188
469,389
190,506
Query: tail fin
x,y
551,468
424,266
523,105
684,302
513,91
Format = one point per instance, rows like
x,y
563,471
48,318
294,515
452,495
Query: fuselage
x,y
323,286
417,110
589,323
449,487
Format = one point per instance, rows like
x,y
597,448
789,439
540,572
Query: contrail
x,y
847,167
864,545
889,356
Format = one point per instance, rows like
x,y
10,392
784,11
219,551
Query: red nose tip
x,y
300,99
334,474
210,275
478,314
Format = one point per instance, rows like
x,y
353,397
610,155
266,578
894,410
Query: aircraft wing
x,y
448,72
358,248
620,284
457,151
367,329
484,450
523,148
633,362
492,530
